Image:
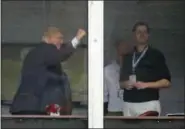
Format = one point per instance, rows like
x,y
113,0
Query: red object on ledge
x,y
150,113
53,109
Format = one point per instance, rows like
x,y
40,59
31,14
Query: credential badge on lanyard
x,y
136,62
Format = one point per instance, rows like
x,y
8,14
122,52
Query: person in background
x,y
42,78
144,72
112,93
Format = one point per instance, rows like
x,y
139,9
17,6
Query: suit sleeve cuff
x,y
75,42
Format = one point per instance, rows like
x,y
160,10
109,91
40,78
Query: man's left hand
x,y
141,85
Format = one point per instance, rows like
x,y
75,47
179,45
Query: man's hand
x,y
80,34
163,83
140,85
126,84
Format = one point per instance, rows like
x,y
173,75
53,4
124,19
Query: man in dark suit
x,y
42,73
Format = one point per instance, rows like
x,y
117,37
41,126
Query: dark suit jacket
x,y
41,71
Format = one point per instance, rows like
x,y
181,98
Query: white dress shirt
x,y
75,42
112,92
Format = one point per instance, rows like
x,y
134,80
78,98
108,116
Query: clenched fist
x,y
80,34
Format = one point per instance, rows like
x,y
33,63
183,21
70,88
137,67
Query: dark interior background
x,y
167,22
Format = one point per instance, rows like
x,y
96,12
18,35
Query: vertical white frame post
x,y
95,63
0,57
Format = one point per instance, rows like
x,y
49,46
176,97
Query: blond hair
x,y
51,31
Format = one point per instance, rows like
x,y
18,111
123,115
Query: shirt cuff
x,y
75,42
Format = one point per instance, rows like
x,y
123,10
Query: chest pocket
x,y
146,70
146,63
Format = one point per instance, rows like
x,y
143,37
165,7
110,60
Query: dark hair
x,y
140,23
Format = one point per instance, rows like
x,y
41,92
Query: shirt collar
x,y
135,50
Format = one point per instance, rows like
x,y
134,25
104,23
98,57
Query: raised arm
x,y
55,55
68,49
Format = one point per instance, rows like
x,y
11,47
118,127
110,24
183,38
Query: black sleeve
x,y
124,70
66,51
162,68
52,55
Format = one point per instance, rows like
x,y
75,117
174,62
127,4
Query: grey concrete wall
x,y
167,21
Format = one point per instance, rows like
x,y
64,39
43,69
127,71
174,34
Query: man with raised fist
x,y
43,81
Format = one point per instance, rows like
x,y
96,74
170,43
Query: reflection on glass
x,y
23,29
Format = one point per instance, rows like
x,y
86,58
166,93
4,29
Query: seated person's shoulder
x,y
107,70
108,67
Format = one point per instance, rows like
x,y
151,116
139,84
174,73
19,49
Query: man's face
x,y
56,39
141,34
123,49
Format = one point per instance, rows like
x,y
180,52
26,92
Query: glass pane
x,y
23,25
166,22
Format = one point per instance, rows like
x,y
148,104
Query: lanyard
x,y
135,62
